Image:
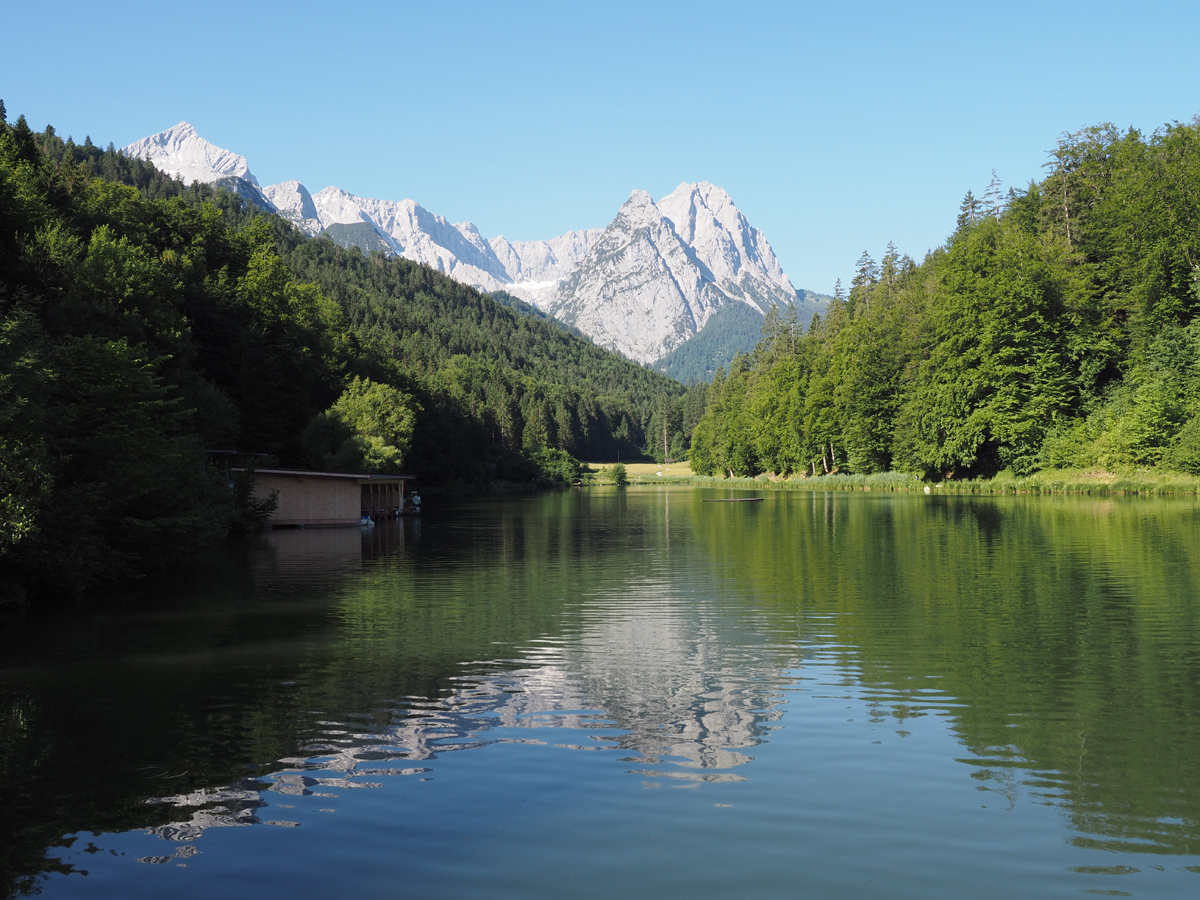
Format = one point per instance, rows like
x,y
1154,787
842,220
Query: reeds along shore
x,y
1050,481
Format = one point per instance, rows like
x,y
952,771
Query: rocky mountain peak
x,y
181,151
295,203
737,255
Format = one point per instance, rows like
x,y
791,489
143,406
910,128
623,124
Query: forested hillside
x,y
734,328
1056,328
143,323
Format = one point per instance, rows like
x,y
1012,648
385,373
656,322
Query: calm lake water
x,y
629,693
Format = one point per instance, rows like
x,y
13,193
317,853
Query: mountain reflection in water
x,y
650,678
938,659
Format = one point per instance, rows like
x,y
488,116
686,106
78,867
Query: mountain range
x,y
644,286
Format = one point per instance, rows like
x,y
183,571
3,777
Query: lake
x,y
628,693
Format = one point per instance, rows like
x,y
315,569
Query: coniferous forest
x,y
1057,328
145,324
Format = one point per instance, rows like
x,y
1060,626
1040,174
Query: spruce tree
x,y
993,198
968,210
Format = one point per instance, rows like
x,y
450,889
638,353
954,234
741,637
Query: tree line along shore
x,y
1144,482
1051,344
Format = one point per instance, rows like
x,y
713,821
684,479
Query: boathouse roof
x,y
304,473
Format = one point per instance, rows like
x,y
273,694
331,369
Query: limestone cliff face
x,y
659,272
293,201
734,254
181,151
638,290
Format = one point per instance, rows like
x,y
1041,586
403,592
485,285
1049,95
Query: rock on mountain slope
x,y
735,255
412,231
537,267
180,151
292,200
643,286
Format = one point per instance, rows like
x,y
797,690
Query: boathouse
x,y
330,498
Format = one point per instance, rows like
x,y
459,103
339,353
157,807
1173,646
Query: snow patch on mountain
x,y
536,268
534,261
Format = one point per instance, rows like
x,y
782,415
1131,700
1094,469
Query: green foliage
x,y
362,235
734,328
618,474
100,473
1184,453
491,378
143,322
1057,328
556,466
993,374
250,510
368,429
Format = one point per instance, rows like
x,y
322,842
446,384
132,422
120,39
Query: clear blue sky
x,y
835,126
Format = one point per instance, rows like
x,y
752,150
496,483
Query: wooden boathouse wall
x,y
329,498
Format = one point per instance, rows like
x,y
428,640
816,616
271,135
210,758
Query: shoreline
x,y
1048,481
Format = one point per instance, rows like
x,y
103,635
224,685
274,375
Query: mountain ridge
x,y
642,286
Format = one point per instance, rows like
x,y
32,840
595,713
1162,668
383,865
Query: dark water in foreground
x,y
629,694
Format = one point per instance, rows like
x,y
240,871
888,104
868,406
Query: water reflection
x,y
1053,646
308,557
648,675
317,560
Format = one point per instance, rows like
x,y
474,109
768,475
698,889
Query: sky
x,y
835,126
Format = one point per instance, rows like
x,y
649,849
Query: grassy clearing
x,y
1049,481
644,473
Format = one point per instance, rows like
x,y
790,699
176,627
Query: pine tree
x,y
791,327
865,278
968,211
866,271
769,345
889,270
993,198
27,148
